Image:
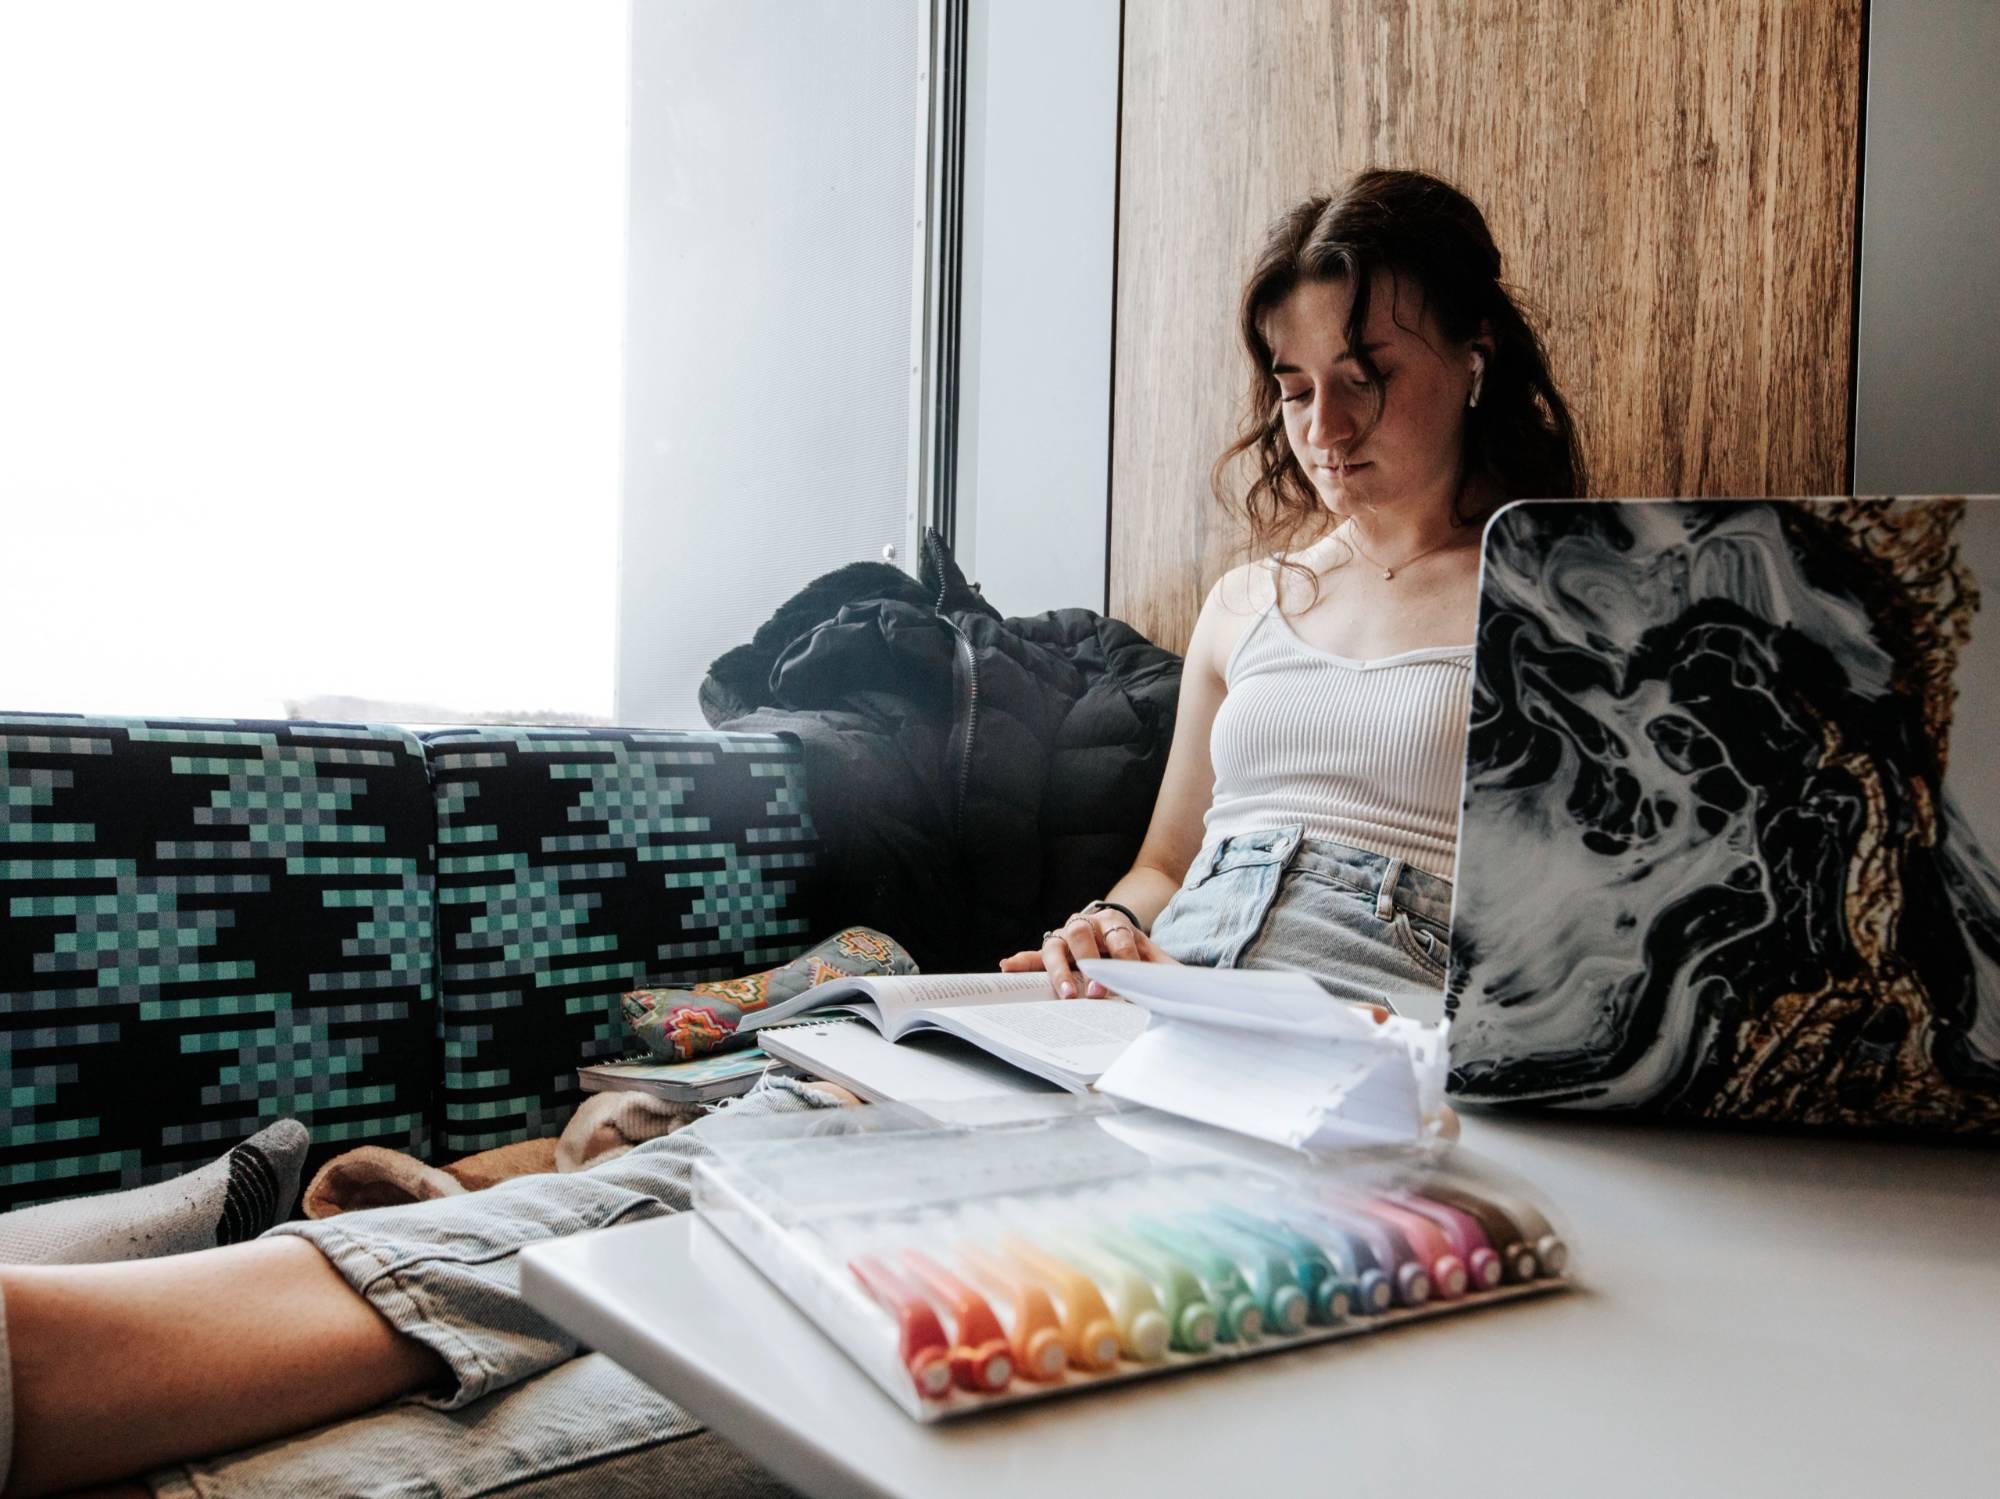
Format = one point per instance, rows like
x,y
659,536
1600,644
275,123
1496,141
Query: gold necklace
x,y
1390,572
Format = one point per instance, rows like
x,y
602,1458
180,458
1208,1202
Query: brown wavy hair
x,y
1424,230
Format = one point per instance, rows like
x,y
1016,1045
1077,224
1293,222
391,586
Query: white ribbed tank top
x,y
1366,753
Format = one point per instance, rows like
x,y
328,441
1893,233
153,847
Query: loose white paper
x,y
1273,1056
1297,1093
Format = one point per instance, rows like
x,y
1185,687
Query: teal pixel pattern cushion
x,y
205,925
575,865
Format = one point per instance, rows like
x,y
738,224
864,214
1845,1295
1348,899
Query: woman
x,y
1306,819
1308,814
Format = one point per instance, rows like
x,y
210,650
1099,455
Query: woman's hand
x,y
1103,933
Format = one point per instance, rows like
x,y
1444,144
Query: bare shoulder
x,y
1245,589
1231,608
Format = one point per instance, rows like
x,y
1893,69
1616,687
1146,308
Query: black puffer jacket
x,y
974,778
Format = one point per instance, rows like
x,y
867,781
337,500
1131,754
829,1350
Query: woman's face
x,y
1411,456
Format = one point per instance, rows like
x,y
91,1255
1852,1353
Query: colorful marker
x,y
980,1360
1501,1231
1182,1300
1402,1264
1023,1308
1467,1238
1238,1318
1088,1331
1536,1230
1449,1276
921,1343
1058,1232
1350,1254
1143,1329
1332,1295
1285,1303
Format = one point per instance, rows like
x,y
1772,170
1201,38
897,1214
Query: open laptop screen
x,y
1732,813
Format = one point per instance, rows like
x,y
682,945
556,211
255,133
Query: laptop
x,y
1730,846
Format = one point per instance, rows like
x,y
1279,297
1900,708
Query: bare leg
x,y
120,1368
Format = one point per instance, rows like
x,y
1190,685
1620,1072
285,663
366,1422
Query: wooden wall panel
x,y
1671,182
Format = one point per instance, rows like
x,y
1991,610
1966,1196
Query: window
x,y
508,361
772,381
310,325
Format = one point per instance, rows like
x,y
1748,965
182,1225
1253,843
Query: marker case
x,y
1135,1243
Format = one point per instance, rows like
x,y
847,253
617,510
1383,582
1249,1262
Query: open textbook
x,y
1009,1015
925,1067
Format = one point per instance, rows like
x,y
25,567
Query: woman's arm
x,y
1173,836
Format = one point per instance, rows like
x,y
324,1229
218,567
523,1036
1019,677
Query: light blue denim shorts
x,y
1348,917
522,1417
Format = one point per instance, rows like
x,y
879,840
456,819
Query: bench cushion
x,y
577,864
206,924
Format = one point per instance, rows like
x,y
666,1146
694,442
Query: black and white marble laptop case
x,y
1732,813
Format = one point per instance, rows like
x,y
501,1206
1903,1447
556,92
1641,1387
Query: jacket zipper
x,y
969,725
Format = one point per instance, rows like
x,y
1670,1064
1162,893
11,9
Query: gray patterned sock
x,y
227,1201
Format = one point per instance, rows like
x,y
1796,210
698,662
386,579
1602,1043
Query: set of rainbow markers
x,y
968,1265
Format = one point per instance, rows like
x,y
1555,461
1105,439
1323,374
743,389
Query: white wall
x,y
1927,357
768,331
1041,208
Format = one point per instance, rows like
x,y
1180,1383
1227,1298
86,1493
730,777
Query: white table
x,y
1757,1316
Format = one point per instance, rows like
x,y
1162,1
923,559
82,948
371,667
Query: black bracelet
x,y
1112,905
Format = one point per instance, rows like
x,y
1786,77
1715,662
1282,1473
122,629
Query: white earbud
x,y
1478,376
